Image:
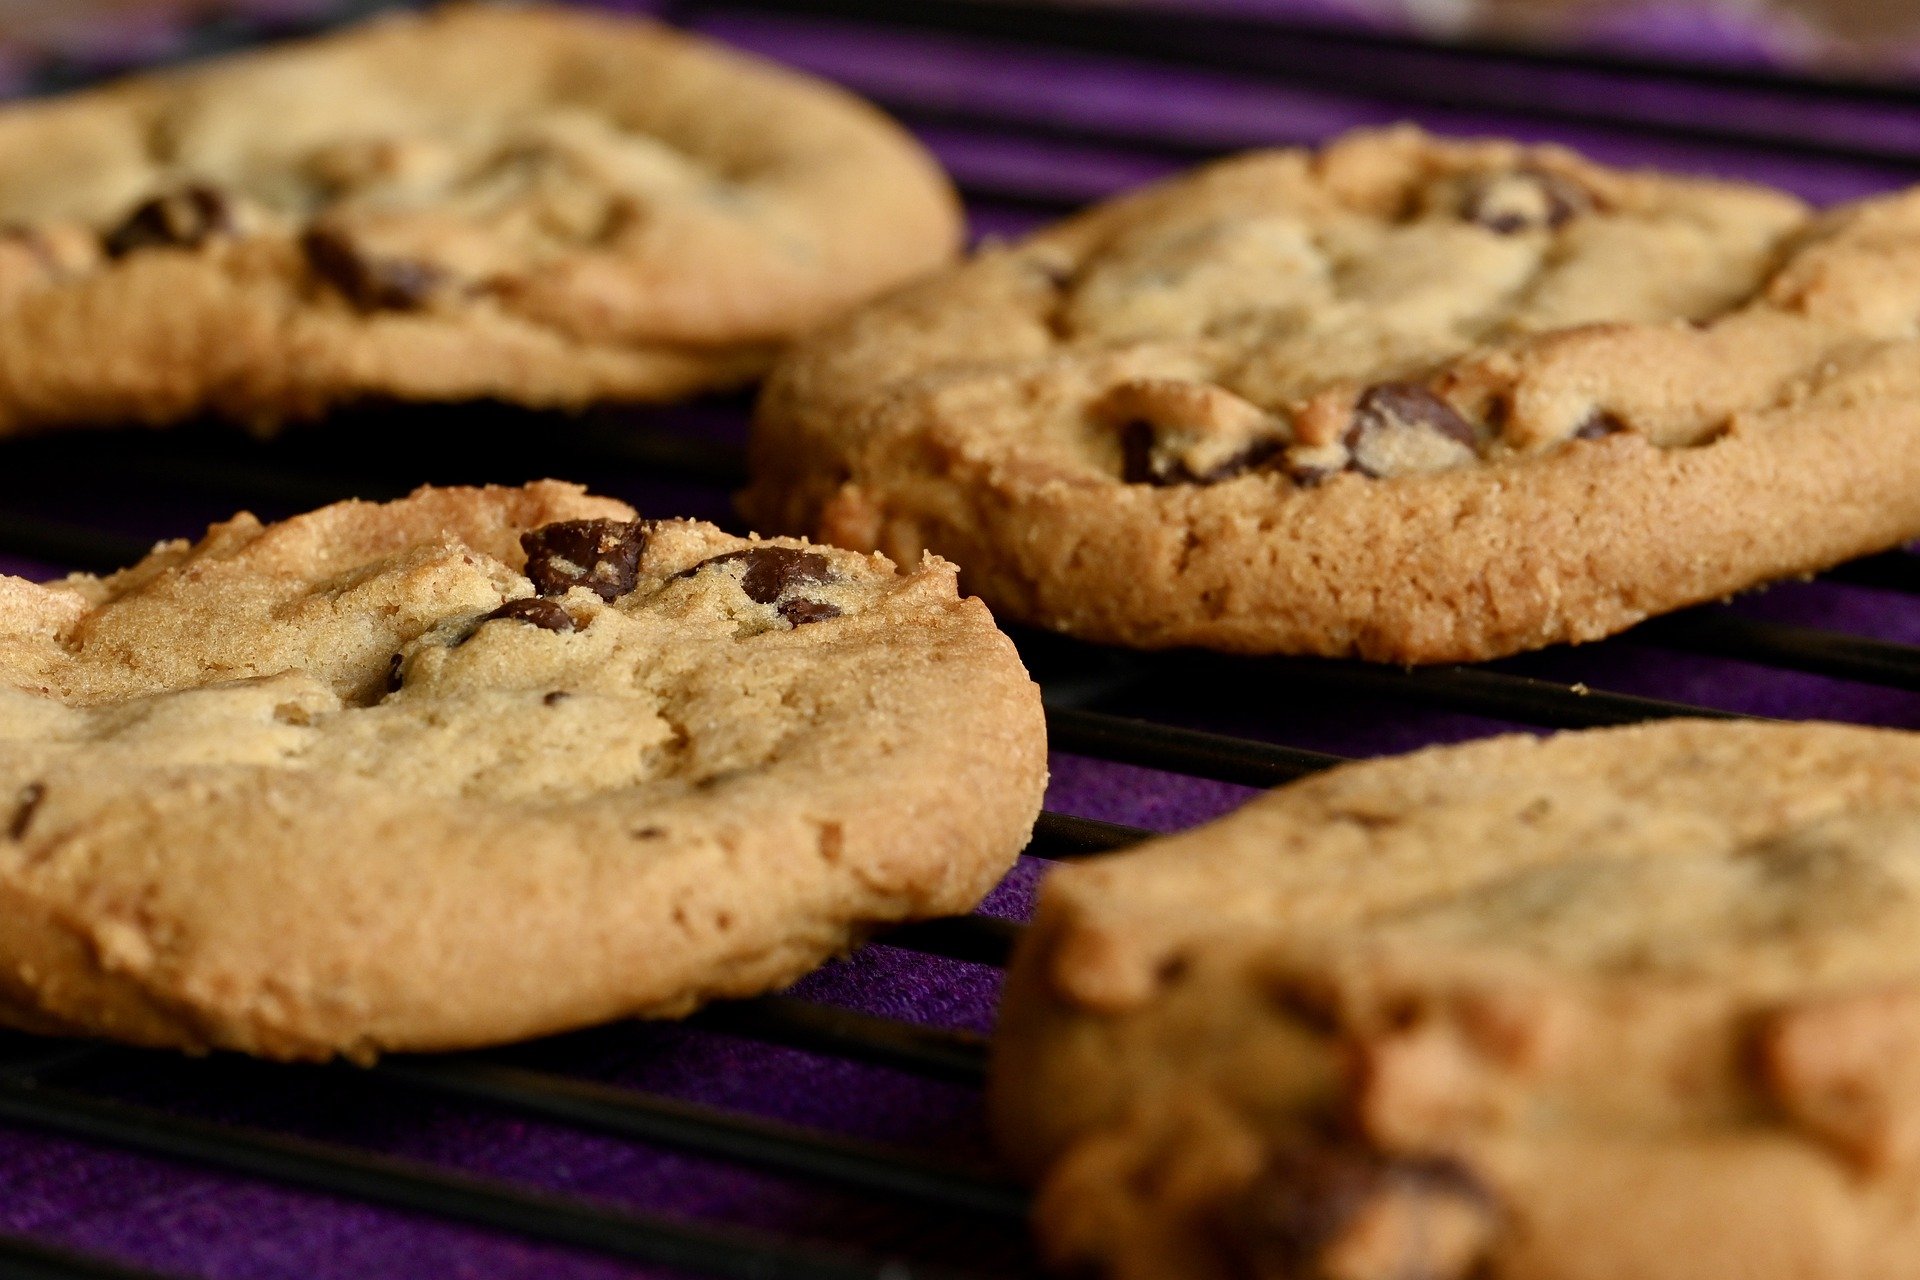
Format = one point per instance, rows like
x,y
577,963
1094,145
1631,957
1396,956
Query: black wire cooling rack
x,y
377,453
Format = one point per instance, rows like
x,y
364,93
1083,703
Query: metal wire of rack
x,y
43,1084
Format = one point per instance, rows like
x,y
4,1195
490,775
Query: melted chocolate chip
x,y
601,555
555,698
1599,425
25,805
1555,201
773,571
1310,1192
184,219
548,615
802,611
1057,274
1391,406
1136,453
1139,466
1302,1201
1310,477
369,282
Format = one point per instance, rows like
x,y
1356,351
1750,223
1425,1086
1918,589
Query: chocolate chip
x,y
1314,1008
1524,200
601,555
1140,466
1301,1202
1136,453
773,571
1055,273
555,698
370,282
1394,407
1311,1191
184,219
802,611
548,615
393,673
1598,425
25,804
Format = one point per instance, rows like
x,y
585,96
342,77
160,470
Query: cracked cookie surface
x,y
1640,1002
1404,399
483,764
537,205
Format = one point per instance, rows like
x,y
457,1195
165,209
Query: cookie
x,y
1403,399
1637,1002
483,764
538,205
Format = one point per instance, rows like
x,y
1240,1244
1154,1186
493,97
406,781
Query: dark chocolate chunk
x,y
555,698
1136,453
601,555
1311,1191
802,611
1599,424
184,219
25,804
1240,463
1490,202
370,282
548,615
1388,406
1139,466
773,571
1302,1201
1057,274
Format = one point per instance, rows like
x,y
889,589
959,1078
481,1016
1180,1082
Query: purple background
x,y
1029,132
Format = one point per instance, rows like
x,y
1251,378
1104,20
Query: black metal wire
x,y
716,1134
1477,691
1062,835
1890,571
935,1052
1727,635
1247,761
24,1259
410,1185
974,939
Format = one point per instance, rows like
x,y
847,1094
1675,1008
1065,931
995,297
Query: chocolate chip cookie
x,y
1640,1002
483,764
538,205
1403,399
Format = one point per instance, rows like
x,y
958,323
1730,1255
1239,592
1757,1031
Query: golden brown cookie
x,y
539,205
1637,1002
483,764
1405,399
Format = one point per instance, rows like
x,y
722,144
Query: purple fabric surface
x,y
1029,132
1757,35
1009,89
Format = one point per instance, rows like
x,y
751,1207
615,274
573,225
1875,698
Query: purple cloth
x,y
1109,122
1755,35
